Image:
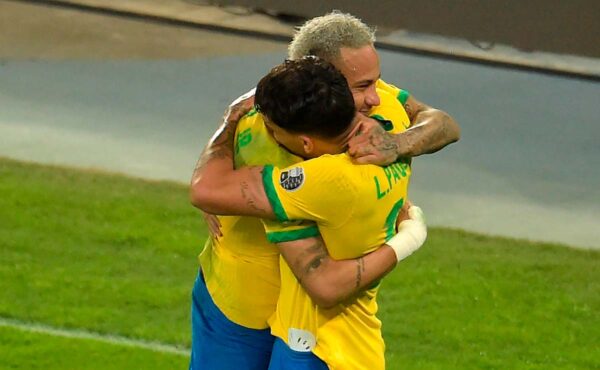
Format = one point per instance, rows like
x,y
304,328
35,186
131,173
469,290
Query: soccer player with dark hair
x,y
308,109
240,274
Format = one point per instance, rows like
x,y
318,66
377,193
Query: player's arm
x,y
329,282
216,186
430,130
294,193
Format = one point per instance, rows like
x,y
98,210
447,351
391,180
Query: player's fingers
x,y
362,150
239,109
362,130
403,214
416,213
214,226
367,125
365,159
356,149
211,228
359,139
215,230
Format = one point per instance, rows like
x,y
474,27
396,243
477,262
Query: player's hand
x,y
239,107
214,226
373,145
403,214
412,233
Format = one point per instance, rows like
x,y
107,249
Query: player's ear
x,y
308,144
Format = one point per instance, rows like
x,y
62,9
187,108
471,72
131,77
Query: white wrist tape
x,y
411,234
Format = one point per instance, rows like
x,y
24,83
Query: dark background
x,y
570,27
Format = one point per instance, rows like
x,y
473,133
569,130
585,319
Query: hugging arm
x,y
430,130
217,187
328,281
220,189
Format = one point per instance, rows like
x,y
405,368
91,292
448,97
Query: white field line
x,y
86,335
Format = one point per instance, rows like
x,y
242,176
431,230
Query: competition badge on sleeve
x,y
292,179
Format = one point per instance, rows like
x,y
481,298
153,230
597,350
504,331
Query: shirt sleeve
x,y
319,190
279,232
401,95
390,113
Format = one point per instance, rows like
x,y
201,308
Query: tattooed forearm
x,y
249,197
409,110
319,253
384,143
311,259
220,147
430,131
330,281
315,263
360,268
211,153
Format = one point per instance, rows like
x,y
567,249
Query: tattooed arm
x,y
430,130
328,281
216,187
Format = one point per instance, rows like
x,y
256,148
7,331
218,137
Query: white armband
x,y
411,234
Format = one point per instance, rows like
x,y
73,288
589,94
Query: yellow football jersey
x,y
401,95
355,208
241,268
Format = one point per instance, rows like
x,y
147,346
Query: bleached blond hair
x,y
324,36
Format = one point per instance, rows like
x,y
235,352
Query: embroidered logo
x,y
293,179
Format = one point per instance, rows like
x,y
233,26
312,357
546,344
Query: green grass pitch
x,y
108,254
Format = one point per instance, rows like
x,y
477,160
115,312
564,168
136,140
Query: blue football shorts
x,y
220,344
284,358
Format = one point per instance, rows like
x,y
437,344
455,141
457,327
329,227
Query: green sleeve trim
x,y
390,222
251,112
267,178
403,96
374,285
385,123
291,235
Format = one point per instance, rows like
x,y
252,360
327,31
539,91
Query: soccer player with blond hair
x,y
239,279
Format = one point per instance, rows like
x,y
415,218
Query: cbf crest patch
x,y
293,179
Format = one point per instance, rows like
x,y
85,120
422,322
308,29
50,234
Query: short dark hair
x,y
306,96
